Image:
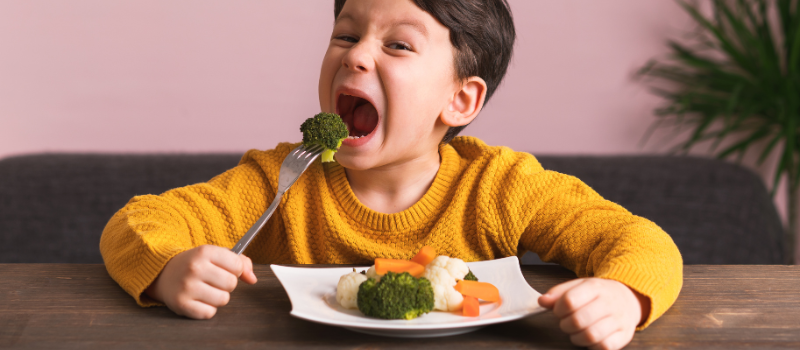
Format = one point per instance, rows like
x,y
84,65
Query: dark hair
x,y
482,31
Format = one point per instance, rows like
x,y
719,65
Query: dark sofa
x,y
53,207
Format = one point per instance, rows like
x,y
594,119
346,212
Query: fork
x,y
292,167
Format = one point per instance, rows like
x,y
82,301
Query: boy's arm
x,y
150,230
574,226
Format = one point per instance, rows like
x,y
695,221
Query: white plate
x,y
312,292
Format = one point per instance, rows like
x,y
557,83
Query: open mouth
x,y
359,114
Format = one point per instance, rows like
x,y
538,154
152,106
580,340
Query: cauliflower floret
x,y
454,299
439,261
347,289
445,297
457,268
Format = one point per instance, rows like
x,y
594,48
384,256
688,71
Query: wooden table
x,y
66,306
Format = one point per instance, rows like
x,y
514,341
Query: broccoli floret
x,y
395,296
327,130
471,277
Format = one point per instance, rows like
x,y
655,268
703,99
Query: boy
x,y
406,76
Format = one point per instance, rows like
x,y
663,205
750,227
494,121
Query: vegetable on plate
x,y
406,289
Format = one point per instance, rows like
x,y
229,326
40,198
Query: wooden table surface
x,y
76,306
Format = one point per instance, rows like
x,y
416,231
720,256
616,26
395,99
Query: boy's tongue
x,y
365,118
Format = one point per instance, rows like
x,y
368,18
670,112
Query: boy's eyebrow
x,y
412,23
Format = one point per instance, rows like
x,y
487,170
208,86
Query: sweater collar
x,y
423,210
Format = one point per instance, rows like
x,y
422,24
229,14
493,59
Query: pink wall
x,y
220,76
180,75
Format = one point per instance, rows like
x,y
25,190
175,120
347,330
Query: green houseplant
x,y
738,80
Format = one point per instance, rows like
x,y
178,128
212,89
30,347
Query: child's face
x,y
389,73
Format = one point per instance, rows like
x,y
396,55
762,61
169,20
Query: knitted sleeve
x,y
572,225
145,234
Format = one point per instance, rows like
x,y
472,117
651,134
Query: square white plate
x,y
312,292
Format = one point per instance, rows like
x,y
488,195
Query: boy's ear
x,y
466,103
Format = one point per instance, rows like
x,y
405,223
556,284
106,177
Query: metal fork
x,y
292,167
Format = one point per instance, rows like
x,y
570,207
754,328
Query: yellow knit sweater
x,y
485,203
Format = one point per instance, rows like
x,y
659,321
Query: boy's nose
x,y
358,59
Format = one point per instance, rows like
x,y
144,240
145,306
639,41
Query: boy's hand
x,y
198,281
597,313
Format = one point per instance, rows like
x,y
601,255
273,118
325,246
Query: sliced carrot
x,y
382,266
425,256
480,290
471,307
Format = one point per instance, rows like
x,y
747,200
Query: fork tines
x,y
306,152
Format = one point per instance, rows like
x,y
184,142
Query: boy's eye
x,y
399,46
347,38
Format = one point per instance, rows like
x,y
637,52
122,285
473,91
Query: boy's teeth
x,y
354,137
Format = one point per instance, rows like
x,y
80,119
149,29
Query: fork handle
x,y
251,233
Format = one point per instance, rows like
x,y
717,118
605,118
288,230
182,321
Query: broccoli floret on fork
x,y
327,130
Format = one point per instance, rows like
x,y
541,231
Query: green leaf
x,y
779,172
768,149
744,144
725,43
794,50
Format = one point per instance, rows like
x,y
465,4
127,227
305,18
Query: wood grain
x,y
63,306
